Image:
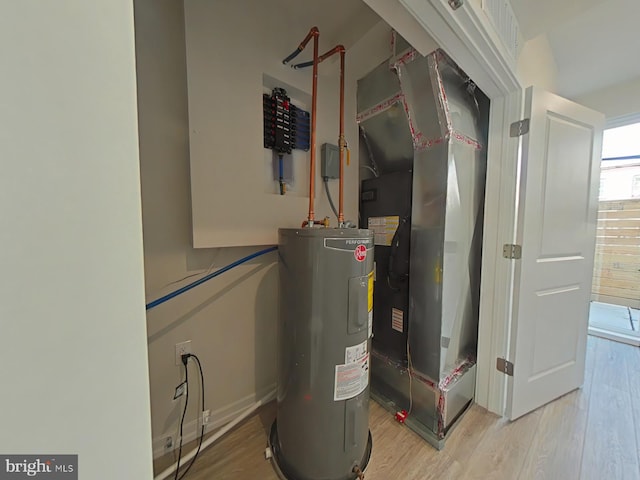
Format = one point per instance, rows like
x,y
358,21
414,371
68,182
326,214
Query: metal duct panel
x,y
430,418
448,194
457,104
427,250
380,84
389,139
383,120
462,252
423,106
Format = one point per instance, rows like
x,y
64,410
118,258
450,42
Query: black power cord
x,y
185,360
202,420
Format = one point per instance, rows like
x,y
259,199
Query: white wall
x,y
230,320
228,52
536,64
615,101
73,354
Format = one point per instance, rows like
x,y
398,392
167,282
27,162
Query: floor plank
x,y
502,449
556,448
610,445
591,433
611,365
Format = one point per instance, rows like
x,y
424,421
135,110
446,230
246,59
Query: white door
x,y
557,215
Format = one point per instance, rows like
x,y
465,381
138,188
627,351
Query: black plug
x,y
185,358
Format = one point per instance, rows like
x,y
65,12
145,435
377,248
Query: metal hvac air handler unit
x,y
424,125
326,300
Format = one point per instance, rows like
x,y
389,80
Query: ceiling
x,y
595,43
339,21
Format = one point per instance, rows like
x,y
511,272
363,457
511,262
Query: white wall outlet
x,y
206,417
181,349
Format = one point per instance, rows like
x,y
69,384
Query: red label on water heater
x,y
360,253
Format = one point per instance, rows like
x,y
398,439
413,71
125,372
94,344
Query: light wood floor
x,y
592,433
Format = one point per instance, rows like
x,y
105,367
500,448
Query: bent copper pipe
x,y
315,34
314,104
341,140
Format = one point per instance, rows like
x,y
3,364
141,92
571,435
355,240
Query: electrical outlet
x,y
168,443
181,349
206,417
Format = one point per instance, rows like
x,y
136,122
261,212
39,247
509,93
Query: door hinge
x,y
519,128
505,366
510,250
456,4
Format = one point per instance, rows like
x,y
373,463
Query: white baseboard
x,y
617,337
219,418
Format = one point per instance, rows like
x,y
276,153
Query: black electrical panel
x,y
385,208
277,121
286,127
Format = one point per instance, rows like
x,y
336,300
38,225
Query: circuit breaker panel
x,y
286,127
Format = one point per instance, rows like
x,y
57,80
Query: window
x,y
620,174
635,186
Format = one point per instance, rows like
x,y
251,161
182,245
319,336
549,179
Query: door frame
x,y
467,35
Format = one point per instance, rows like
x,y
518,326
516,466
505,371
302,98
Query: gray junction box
x,y
329,161
326,300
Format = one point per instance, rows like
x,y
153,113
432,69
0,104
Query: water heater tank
x,y
326,298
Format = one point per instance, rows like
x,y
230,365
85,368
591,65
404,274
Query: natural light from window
x,y
620,176
621,141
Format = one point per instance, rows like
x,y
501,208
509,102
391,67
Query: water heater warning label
x,y
384,228
352,377
355,353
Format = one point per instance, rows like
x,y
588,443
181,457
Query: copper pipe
x,y
341,141
314,101
334,50
312,32
315,34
